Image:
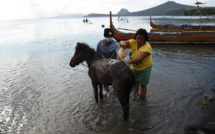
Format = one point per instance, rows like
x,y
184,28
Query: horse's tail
x,y
130,83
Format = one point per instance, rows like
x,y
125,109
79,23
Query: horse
x,y
104,71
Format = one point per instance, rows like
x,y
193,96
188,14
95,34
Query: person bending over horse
x,y
108,47
141,60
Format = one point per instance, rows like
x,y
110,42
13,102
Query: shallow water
x,y
40,93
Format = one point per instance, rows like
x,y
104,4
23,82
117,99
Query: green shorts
x,y
143,76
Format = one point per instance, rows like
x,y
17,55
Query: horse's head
x,y
80,54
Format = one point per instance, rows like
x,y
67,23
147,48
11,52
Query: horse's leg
x,y
123,97
95,87
100,92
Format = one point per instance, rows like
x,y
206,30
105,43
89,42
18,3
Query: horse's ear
x,y
78,45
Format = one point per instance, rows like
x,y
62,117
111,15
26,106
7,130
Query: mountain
x,y
96,15
168,8
163,9
70,16
123,12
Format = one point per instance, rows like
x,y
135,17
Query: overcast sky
x,y
25,9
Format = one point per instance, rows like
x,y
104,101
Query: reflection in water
x,y
41,94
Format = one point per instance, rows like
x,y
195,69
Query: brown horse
x,y
106,72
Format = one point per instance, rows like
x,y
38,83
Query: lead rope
x,y
84,65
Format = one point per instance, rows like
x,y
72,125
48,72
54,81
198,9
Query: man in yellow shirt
x,y
141,60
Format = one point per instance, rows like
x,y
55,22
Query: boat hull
x,y
180,28
179,37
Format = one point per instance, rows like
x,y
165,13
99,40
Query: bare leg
x,y
106,88
136,88
143,91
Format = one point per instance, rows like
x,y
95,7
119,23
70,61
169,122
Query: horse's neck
x,y
92,58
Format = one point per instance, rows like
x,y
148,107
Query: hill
x,y
69,16
123,12
163,9
96,15
168,8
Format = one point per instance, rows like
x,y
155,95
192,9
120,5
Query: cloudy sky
x,y
25,9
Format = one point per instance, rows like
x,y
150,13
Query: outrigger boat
x,y
185,27
203,37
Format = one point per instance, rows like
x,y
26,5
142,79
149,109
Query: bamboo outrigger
x,y
204,37
181,28
186,27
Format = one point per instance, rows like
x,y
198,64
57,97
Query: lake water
x,y
41,94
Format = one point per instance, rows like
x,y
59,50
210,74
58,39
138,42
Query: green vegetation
x,y
178,12
204,11
200,103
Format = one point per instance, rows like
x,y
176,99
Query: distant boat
x,y
185,27
169,37
85,20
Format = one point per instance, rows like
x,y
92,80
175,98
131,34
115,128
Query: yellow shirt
x,y
134,53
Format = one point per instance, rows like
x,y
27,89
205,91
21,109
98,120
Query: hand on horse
x,y
127,63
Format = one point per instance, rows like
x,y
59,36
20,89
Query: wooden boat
x,y
181,28
169,37
185,27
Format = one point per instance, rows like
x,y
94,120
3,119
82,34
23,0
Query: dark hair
x,y
142,32
108,32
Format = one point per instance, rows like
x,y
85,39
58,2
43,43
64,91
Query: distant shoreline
x,y
144,15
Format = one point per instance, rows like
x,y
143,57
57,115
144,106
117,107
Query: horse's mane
x,y
90,51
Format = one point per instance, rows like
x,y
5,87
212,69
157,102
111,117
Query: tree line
x,y
203,11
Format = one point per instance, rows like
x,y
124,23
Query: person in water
x,y
108,47
141,60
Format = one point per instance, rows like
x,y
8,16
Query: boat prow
x,y
120,35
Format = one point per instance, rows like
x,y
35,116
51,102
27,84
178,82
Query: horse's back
x,y
123,75
105,71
